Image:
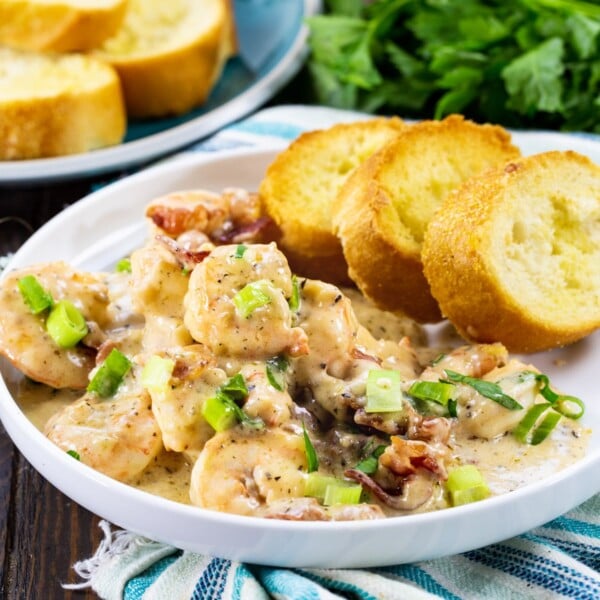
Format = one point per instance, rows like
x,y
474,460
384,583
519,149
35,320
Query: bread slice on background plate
x,y
59,25
301,184
383,209
170,53
514,255
56,104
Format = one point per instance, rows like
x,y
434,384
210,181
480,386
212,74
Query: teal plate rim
x,y
272,48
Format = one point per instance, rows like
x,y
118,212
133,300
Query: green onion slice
x,y
276,368
342,493
239,250
568,406
452,407
466,484
435,391
220,415
252,296
312,460
235,388
110,374
219,410
330,490
157,372
74,454
488,389
369,464
66,325
34,295
527,431
123,266
315,484
294,301
383,391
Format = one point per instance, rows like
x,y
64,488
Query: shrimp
x,y
244,472
342,352
117,436
474,361
231,217
158,286
211,314
484,418
23,336
178,407
275,407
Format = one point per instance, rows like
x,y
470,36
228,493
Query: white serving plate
x,y
271,49
98,230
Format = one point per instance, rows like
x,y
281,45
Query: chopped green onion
x,y
35,296
560,403
474,494
252,296
110,374
566,407
66,325
342,493
294,301
488,389
235,388
466,484
157,372
330,490
217,410
276,368
438,359
315,484
74,454
527,432
123,266
369,464
435,391
220,415
239,250
452,407
383,391
312,460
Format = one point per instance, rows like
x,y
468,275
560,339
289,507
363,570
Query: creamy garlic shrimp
x,y
207,372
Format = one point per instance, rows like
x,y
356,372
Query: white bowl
x,y
108,224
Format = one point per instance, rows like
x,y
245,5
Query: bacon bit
x,y
104,350
188,259
432,429
415,490
191,363
247,232
358,354
404,457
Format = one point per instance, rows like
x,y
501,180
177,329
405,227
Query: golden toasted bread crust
x,y
514,255
301,185
383,209
77,106
171,78
59,26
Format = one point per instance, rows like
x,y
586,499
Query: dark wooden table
x,y
42,532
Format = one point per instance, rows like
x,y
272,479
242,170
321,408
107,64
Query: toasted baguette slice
x,y
514,255
55,104
382,211
170,54
301,184
59,25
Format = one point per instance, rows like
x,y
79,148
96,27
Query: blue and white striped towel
x,y
558,560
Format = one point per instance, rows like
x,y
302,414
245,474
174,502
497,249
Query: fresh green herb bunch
x,y
520,63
